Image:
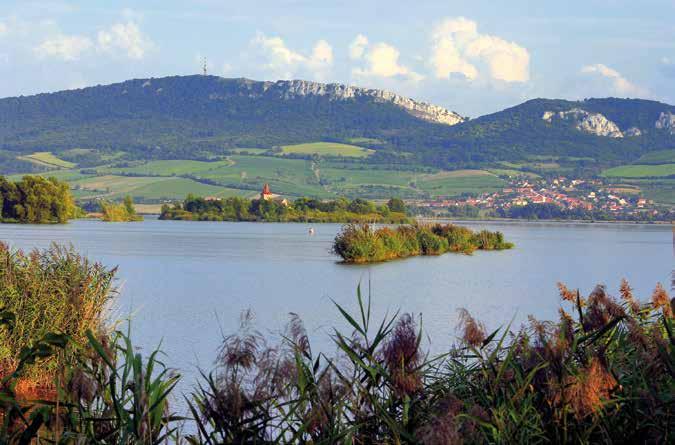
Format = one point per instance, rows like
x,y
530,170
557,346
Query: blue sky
x,y
474,57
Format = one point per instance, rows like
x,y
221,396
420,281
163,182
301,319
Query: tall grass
x,y
54,290
364,244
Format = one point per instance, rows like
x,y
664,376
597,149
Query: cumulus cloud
x,y
64,47
285,62
381,60
619,84
459,49
124,37
358,47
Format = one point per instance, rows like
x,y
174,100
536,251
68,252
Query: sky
x,y
473,57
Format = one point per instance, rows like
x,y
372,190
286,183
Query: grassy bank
x,y
604,372
364,244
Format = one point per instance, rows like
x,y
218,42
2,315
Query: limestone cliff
x,y
592,123
288,89
666,122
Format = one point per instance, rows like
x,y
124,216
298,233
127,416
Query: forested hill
x,y
194,117
609,129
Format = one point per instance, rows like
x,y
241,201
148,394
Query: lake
x,y
185,283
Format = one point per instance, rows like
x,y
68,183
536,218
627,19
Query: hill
x,y
208,117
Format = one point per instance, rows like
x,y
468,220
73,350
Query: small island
x,y
364,244
273,208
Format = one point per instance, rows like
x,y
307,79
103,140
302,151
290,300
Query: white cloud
x,y
620,84
125,37
358,47
382,60
458,48
286,63
64,47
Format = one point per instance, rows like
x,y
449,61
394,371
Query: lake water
x,y
186,283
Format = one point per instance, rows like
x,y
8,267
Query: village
x,y
569,196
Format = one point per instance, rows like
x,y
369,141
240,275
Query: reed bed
x,y
53,290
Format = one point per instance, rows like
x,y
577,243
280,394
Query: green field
x,y
168,168
147,188
178,188
640,171
512,173
658,157
328,149
455,183
359,141
46,159
243,175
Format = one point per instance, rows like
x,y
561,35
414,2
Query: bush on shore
x,y
120,212
364,244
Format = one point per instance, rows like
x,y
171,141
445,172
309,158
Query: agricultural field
x,y
640,171
147,188
46,159
168,168
328,149
512,173
457,182
243,175
658,157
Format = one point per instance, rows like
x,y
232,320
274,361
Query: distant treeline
x,y
277,210
553,211
36,200
363,244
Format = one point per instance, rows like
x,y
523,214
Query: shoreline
x,y
477,220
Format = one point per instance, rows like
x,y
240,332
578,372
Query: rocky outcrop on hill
x,y
289,89
666,122
592,123
632,132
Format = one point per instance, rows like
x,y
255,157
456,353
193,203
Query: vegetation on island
x,y
36,200
120,212
365,244
602,373
280,210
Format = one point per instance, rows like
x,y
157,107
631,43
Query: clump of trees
x,y
301,210
36,200
120,212
364,244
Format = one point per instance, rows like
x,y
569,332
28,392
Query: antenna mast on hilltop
x,y
204,66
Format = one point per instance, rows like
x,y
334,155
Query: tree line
x,y
276,210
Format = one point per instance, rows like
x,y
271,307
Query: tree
x,y
396,205
361,206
